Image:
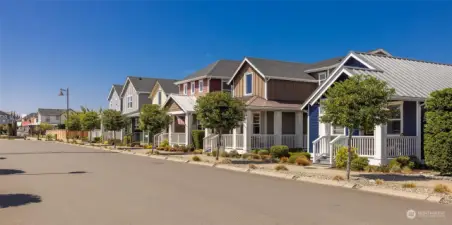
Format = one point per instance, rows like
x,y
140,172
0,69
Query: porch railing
x,y
210,142
239,141
320,147
158,138
364,145
177,139
401,146
262,141
289,140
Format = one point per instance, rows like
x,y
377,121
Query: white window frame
x,y
185,89
257,123
129,103
245,93
325,74
200,86
159,97
192,87
332,130
400,104
225,81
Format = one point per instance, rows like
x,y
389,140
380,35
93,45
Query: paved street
x,y
66,185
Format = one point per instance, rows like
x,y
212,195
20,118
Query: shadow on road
x,y
13,200
393,177
37,153
10,171
2,158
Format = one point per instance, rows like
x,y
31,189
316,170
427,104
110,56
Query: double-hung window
x,y
159,98
201,85
129,102
185,89
248,83
256,123
396,118
192,87
322,77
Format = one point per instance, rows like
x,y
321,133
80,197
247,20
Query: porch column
x,y
171,129
277,126
247,130
188,125
380,157
299,129
418,130
234,138
207,132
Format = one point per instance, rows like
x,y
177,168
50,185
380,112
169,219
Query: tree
x,y
153,119
73,121
113,121
438,131
43,127
221,112
89,120
360,102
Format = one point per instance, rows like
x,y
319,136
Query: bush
x,y
342,156
383,169
338,178
379,181
358,164
406,170
148,146
409,185
395,168
164,143
438,131
302,161
196,158
234,154
370,168
295,155
198,138
281,168
254,156
49,137
226,161
278,151
254,151
97,139
214,153
224,154
263,152
283,160
197,151
441,188
246,155
252,166
209,154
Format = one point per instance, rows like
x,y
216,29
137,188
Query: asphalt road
x,y
55,184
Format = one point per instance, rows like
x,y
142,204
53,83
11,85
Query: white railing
x,y
364,145
177,139
210,142
158,138
401,146
289,140
239,141
259,141
227,140
320,146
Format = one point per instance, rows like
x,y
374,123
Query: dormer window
x,y
185,89
322,77
193,87
248,83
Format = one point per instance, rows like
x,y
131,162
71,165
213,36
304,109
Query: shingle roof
x,y
220,68
145,84
118,88
3,113
51,112
168,86
281,69
410,78
325,63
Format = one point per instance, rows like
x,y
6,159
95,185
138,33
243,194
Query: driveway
x,y
55,184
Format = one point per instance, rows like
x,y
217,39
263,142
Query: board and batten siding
x,y
130,91
115,102
313,112
285,90
172,106
258,82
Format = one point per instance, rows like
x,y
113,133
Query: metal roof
x,y
187,103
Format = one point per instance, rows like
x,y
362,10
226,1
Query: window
x,y
57,117
248,84
256,123
185,89
395,120
337,130
129,102
322,77
192,89
225,86
232,89
47,119
111,105
159,97
201,86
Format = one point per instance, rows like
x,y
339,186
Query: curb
x,y
395,193
232,168
203,163
273,174
326,182
177,160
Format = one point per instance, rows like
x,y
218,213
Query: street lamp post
x,y
67,109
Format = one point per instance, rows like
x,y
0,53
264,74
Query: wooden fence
x,y
61,134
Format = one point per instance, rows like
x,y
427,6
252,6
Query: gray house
x,y
114,99
52,116
5,118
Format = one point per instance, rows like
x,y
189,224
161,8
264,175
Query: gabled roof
x,y
142,84
256,102
324,64
275,69
185,102
168,86
219,69
117,88
3,113
52,112
411,79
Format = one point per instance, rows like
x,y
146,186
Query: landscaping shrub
x,y
148,146
49,137
252,166
342,156
183,148
379,181
246,155
197,151
226,161
406,170
305,154
383,169
281,168
190,147
164,143
234,154
370,168
438,131
255,151
302,161
395,168
214,153
209,154
293,158
254,156
338,178
97,139
198,138
293,150
409,185
224,154
283,160
441,188
263,152
278,151
196,158
358,164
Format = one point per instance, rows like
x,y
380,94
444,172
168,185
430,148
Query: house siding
x,y
130,91
258,82
313,124
285,90
155,96
196,93
173,107
52,119
143,99
115,102
215,85
288,123
409,118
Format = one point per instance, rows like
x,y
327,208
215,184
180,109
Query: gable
x,y
172,106
258,82
128,88
155,90
353,62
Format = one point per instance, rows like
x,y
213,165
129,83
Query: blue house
x,y
413,81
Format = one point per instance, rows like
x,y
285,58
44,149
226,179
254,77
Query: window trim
x,y
322,80
332,130
192,87
399,103
258,123
131,101
200,86
185,89
245,93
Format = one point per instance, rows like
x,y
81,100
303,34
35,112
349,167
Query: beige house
x,y
161,90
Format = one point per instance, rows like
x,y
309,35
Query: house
x,y
5,118
213,77
161,90
413,81
115,102
51,116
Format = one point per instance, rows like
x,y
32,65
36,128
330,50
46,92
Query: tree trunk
x,y
349,158
218,144
114,139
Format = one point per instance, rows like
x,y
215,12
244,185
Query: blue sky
x,y
89,45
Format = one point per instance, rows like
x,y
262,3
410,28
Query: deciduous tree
x,y
153,119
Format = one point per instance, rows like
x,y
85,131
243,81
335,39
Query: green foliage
x,y
73,121
214,153
302,161
49,137
403,162
97,139
198,138
358,164
281,168
89,120
219,111
342,157
43,127
234,154
153,119
371,169
197,151
406,170
255,151
278,151
395,168
113,120
164,143
438,131
263,152
305,154
196,158
224,154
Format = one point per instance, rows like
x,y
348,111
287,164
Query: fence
x,y
61,134
401,146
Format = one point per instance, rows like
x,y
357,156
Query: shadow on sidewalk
x,y
2,158
394,177
21,172
13,200
10,171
